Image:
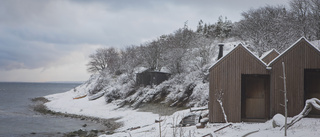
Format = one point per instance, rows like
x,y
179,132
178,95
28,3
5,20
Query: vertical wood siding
x,y
298,58
226,76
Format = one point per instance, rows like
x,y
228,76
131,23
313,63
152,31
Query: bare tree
x,y
265,28
285,99
300,10
130,59
315,16
104,58
177,47
219,100
152,53
201,53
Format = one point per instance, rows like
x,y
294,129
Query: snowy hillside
x,y
186,89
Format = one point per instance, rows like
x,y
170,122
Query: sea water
x,y
17,117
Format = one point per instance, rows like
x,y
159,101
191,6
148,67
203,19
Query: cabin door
x,y
255,97
312,87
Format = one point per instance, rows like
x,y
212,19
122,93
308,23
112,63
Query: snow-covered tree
x,y
222,28
265,28
130,59
177,47
300,10
152,53
104,58
315,16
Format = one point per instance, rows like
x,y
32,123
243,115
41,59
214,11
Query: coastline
x,y
108,125
137,123
126,118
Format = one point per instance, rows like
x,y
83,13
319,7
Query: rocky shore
x,y
109,125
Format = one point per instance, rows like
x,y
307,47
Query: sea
x,y
17,117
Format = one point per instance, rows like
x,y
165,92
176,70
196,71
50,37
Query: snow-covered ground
x,y
64,102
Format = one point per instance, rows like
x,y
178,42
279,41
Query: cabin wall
x,y
298,58
143,79
225,76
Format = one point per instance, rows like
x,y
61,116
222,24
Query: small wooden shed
x,y
252,86
150,77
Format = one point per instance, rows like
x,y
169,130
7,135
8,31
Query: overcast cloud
x,y
50,40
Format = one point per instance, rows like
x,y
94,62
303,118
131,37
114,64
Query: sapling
x,y
285,99
219,99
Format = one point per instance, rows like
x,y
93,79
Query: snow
x,y
229,50
278,120
204,120
224,113
312,45
316,43
64,102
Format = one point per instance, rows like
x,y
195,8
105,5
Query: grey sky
x,y
50,40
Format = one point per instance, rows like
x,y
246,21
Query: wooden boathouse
x,y
149,77
252,86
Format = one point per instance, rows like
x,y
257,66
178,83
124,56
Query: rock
x,y
158,121
85,125
206,114
204,120
94,131
278,120
108,132
199,125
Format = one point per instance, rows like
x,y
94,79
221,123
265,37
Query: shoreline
x,y
109,125
137,123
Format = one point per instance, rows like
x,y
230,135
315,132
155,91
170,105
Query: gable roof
x,y
302,39
265,54
233,50
268,56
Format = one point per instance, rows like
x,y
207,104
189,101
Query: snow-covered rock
x,y
278,120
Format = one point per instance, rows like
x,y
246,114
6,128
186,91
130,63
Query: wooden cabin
x,y
227,76
252,86
302,63
149,77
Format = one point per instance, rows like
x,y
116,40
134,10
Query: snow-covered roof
x,y
316,43
139,69
284,52
240,44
